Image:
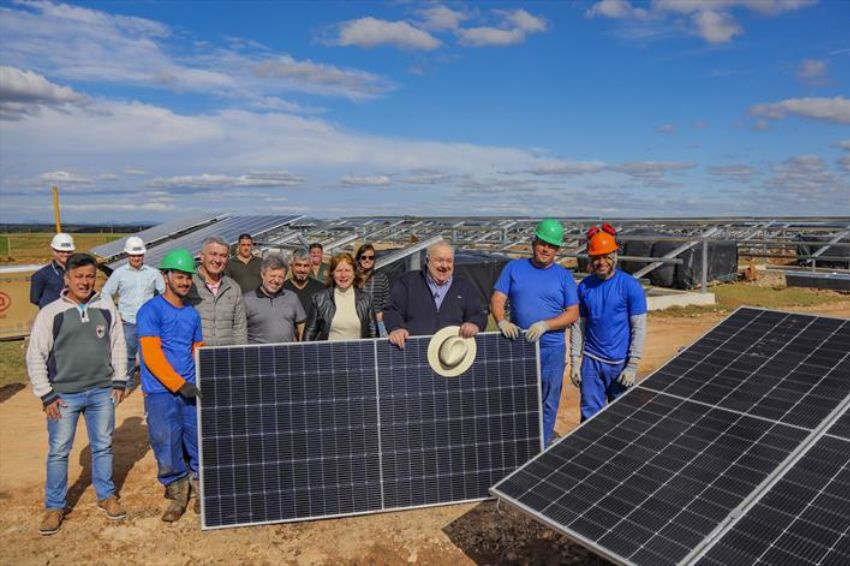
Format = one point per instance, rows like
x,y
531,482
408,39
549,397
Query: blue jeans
x,y
598,385
96,406
173,434
132,348
552,363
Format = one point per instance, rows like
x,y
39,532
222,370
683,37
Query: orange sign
x,y
5,302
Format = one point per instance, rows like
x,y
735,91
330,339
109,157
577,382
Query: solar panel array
x,y
228,229
155,233
662,475
324,429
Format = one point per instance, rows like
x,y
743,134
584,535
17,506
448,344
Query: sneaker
x,y
52,521
112,508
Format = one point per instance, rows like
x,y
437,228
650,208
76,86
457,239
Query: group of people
x,y
82,353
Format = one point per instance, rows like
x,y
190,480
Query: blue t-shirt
x,y
606,307
179,329
537,294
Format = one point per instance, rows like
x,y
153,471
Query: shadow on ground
x,y
8,391
129,446
491,534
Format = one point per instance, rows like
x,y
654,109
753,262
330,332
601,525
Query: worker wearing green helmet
x,y
543,302
169,332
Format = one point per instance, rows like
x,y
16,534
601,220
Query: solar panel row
x,y
660,474
302,431
155,233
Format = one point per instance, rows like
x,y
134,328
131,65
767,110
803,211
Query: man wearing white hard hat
x,y
48,282
134,283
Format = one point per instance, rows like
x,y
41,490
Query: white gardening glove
x,y
575,373
628,376
509,329
536,330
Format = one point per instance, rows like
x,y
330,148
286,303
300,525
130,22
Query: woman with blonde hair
x,y
342,311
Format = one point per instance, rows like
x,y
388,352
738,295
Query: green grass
x,y
13,368
35,246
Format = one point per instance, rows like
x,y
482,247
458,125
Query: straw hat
x,y
449,354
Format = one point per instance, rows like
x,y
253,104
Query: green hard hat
x,y
550,231
178,260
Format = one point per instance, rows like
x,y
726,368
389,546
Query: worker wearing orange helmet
x,y
607,340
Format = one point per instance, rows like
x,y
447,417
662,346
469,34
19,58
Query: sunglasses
x,y
367,258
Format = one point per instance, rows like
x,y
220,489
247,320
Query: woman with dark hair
x,y
374,283
342,311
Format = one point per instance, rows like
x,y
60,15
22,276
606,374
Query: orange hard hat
x,y
601,243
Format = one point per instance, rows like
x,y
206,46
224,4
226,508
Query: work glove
x,y
575,373
189,391
536,330
628,376
509,329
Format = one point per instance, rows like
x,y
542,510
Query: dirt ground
x,y
479,533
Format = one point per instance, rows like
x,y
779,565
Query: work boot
x,y
112,508
178,493
195,491
52,521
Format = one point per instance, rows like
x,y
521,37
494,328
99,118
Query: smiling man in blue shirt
x,y
135,283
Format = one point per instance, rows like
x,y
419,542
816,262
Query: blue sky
x,y
153,110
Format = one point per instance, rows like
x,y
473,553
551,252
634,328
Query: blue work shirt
x,y
606,307
438,291
178,328
537,293
134,288
47,284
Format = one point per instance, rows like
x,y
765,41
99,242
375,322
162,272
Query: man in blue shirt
x,y
543,301
135,283
169,333
610,333
48,282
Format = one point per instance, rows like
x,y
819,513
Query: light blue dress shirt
x,y
134,288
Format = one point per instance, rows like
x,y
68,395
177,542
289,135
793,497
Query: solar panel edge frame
x,y
582,540
205,527
749,502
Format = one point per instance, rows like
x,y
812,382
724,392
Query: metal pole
x,y
704,277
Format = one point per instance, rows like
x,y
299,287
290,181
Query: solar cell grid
x,y
300,431
651,500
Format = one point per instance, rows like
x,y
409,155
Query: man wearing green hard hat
x,y
169,332
543,302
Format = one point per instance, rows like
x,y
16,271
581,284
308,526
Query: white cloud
x,y
716,27
652,173
805,177
25,92
75,43
843,144
844,162
829,109
65,178
735,172
522,20
561,167
813,72
490,37
666,129
119,207
616,9
135,171
439,18
373,32
257,179
366,180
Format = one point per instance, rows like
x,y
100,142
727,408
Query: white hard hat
x,y
62,242
134,246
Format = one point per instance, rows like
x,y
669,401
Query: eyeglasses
x,y
367,258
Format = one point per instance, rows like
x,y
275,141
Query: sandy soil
x,y
461,534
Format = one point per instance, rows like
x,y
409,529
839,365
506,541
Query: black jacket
x,y
322,311
411,306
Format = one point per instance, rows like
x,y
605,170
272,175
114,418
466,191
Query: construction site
x,y
695,273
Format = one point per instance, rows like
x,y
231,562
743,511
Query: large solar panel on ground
x,y
228,229
660,474
155,233
303,431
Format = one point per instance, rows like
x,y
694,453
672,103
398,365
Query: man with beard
x,y
169,333
610,333
76,363
274,314
218,298
301,283
543,301
47,283
423,302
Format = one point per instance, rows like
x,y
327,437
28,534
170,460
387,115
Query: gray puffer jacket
x,y
222,316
